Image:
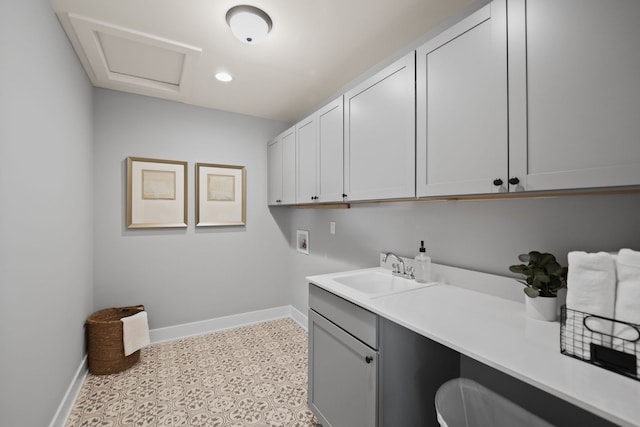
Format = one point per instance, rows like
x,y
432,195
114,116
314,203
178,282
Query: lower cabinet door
x,y
343,376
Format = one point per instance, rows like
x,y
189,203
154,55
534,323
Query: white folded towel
x,y
135,332
591,288
627,297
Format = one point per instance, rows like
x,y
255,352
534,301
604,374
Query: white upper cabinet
x,y
574,75
274,171
380,134
320,151
288,142
281,158
331,151
461,85
307,164
522,95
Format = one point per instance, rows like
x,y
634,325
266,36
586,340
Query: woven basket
x,y
104,341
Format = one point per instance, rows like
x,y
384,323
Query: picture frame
x,y
156,193
221,195
302,241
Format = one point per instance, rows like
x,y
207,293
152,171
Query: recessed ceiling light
x,y
249,24
224,77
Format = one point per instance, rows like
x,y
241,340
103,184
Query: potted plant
x,y
543,278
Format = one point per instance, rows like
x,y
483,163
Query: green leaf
x,y
546,259
531,292
524,257
540,279
534,257
521,269
553,268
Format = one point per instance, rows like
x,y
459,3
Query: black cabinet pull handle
x,y
368,359
497,182
514,180
344,195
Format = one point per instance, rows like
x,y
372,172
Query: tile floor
x,y
250,376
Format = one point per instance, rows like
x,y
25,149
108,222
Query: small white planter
x,y
542,308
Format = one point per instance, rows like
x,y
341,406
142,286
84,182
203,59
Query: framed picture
x,y
302,241
220,195
156,193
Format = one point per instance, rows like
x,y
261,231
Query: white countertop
x,y
496,332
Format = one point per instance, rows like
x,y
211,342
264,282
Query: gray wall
x,y
482,235
46,215
184,275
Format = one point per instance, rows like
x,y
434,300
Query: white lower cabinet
x,y
574,83
379,159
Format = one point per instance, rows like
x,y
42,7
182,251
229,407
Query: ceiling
x,y
171,49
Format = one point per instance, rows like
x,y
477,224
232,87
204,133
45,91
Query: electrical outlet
x,y
332,227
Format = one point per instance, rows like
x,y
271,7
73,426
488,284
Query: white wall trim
x,y
171,333
70,396
299,317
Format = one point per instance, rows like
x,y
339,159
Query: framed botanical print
x,y
220,195
156,193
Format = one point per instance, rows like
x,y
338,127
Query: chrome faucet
x,y
396,267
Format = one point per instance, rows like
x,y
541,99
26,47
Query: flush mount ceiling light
x,y
249,24
224,77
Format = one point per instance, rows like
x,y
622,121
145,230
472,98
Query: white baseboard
x,y
301,318
182,331
70,396
221,323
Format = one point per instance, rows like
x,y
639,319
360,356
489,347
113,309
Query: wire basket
x,y
591,338
104,341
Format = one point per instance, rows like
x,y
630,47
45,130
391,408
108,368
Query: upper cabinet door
x,y
289,166
274,168
461,83
574,93
320,148
307,164
330,125
281,158
380,134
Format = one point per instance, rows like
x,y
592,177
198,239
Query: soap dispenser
x,y
423,265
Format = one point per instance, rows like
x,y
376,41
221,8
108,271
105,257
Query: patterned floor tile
x,y
250,376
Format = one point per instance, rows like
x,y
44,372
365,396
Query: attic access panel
x,y
125,59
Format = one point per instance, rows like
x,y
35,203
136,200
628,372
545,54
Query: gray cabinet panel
x,y
412,368
342,376
354,319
